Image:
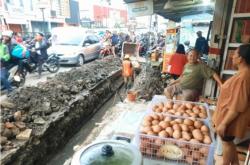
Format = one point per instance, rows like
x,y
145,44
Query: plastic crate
x,y
192,153
157,99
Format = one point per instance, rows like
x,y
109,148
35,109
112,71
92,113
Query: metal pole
x,y
43,27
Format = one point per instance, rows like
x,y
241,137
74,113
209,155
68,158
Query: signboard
x,y
141,8
42,4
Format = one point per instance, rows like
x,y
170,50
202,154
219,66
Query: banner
x,y
142,8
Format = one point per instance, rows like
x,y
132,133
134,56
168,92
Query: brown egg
x,y
205,133
197,134
173,122
204,128
196,109
188,111
202,115
147,129
207,140
188,122
202,107
172,112
149,151
158,142
204,150
163,134
155,116
178,113
189,105
164,124
198,124
169,105
156,128
184,127
185,115
177,134
161,117
155,107
151,133
176,127
176,106
170,131
196,155
203,161
180,121
164,109
155,122
191,128
189,160
193,115
158,110
186,135
167,118
149,118
146,123
194,141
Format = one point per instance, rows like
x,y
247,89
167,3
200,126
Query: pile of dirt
x,y
49,113
148,83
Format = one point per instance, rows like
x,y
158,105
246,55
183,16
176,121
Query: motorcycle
x,y
51,64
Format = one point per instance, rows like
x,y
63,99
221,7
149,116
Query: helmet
x,y
8,33
126,56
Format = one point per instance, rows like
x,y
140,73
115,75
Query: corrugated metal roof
x,y
175,9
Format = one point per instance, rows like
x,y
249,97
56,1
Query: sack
x,y
18,52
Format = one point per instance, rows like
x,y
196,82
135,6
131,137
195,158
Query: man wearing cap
x,y
127,71
41,46
5,57
201,44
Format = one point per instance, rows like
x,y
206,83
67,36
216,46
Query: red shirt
x,y
177,62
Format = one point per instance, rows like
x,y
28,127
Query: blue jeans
x,y
4,79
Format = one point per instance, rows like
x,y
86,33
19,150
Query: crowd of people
x,y
13,50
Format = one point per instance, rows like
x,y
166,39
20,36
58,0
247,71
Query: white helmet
x,y
7,33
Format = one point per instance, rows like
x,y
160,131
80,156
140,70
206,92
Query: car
x,y
74,45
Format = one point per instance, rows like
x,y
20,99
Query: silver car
x,y
75,46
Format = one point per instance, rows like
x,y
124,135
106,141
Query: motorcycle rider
x,y
11,44
41,46
5,57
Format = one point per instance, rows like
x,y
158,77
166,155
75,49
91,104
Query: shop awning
x,y
175,9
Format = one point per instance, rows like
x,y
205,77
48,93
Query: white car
x,y
74,45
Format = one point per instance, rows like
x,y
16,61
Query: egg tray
x,y
157,99
193,153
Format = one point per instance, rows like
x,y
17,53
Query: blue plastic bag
x,y
18,52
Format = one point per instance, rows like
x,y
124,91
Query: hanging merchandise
x,y
170,47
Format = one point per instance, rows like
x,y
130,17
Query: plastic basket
x,y
192,153
157,99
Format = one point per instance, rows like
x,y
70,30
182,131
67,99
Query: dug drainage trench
x,y
39,121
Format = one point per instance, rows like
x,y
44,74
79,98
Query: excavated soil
x,y
54,110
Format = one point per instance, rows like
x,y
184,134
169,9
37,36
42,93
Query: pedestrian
x,y
114,42
41,47
231,117
201,44
127,71
5,57
177,62
189,85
